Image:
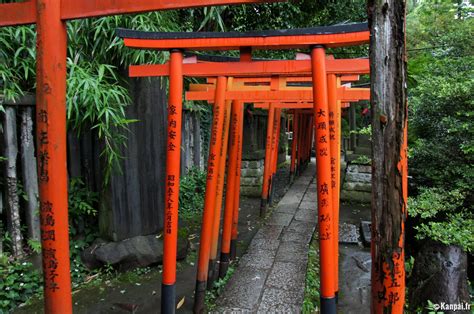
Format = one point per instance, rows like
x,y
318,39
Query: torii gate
x,y
318,67
51,16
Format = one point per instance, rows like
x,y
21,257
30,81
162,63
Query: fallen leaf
x,y
180,303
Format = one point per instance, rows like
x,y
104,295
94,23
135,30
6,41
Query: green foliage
x,y
82,202
19,281
82,226
362,160
311,292
35,245
441,72
192,192
17,63
96,91
443,218
212,295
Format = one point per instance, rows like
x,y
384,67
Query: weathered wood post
x,y
29,173
11,181
352,127
389,161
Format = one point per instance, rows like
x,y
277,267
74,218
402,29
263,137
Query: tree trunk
x,y
29,173
389,163
11,197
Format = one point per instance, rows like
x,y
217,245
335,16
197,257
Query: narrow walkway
x,y
271,275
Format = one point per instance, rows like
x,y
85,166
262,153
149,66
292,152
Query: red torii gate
x,y
50,17
314,38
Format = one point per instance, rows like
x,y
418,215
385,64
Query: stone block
x,y
251,190
250,181
357,186
359,168
348,233
252,173
358,177
356,196
252,164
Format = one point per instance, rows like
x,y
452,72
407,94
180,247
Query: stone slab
x,y
230,310
287,276
264,244
281,301
244,289
307,214
292,252
291,198
287,208
308,204
271,232
280,219
261,259
299,237
301,226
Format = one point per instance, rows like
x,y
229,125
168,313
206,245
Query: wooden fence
x,y
131,204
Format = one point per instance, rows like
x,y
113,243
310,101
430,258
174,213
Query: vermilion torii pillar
x,y
50,17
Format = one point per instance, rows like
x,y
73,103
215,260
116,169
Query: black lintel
x,y
320,30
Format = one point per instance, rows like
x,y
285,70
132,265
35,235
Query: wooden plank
x,y
11,178
29,173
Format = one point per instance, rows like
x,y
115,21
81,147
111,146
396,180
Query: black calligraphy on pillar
x,y
170,191
333,172
323,189
325,227
323,152
50,262
43,116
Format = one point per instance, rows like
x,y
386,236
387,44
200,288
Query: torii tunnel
x,y
227,91
316,108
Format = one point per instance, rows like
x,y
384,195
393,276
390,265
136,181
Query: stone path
x,y
271,275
